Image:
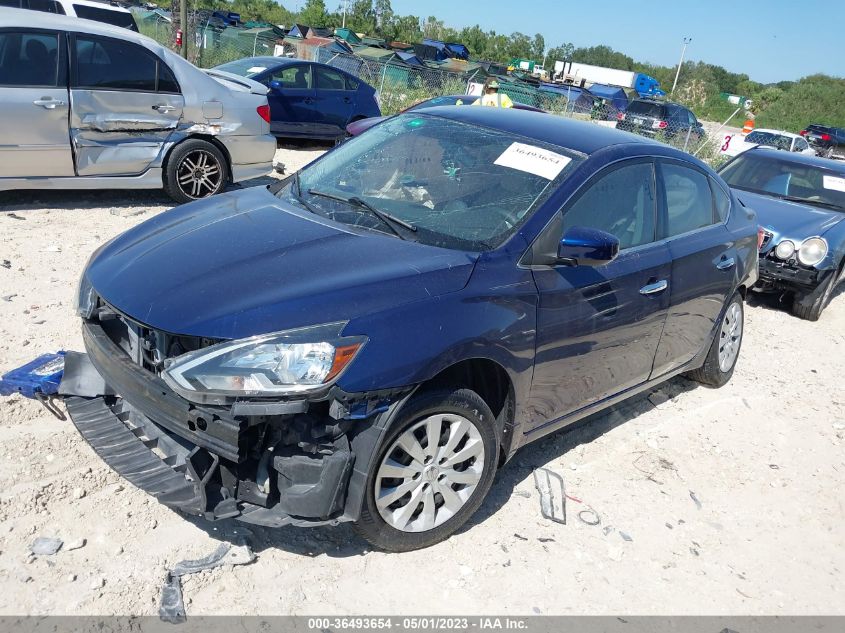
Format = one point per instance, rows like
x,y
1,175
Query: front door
x,y
704,263
291,99
125,105
34,102
598,327
335,102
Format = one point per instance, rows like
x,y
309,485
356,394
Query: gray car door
x,y
125,105
34,105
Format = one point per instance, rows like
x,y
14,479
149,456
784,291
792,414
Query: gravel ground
x,y
711,501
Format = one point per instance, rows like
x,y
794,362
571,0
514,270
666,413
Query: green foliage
x,y
813,99
603,56
314,14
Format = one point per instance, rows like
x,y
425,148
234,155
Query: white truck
x,y
583,74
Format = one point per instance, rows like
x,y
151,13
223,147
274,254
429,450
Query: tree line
x,y
789,105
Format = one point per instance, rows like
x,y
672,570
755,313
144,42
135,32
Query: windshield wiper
x,y
297,194
820,203
388,220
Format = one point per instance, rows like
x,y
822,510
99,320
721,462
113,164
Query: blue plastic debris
x,y
38,378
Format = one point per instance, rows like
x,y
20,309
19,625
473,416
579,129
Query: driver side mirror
x,y
582,246
276,86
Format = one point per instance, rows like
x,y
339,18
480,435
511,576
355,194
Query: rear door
x,y
125,105
598,327
335,102
703,261
34,100
292,101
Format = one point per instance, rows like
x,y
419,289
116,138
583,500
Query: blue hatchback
x,y
307,99
370,339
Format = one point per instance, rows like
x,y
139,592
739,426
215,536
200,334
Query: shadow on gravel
x,y
554,446
782,301
341,541
72,200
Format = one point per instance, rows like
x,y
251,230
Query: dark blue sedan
x,y
800,203
307,99
369,340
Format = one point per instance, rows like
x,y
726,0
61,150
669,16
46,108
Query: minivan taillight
x,y
803,132
825,137
660,125
264,112
620,116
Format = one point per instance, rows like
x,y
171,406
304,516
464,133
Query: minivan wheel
x,y
432,473
196,169
721,359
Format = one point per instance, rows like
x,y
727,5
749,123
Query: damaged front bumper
x,y
788,275
291,468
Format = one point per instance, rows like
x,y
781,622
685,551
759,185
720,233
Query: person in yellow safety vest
x,y
492,97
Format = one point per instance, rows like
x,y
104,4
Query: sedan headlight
x,y
812,251
279,364
785,249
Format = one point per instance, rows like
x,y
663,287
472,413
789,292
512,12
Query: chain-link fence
x,y
403,80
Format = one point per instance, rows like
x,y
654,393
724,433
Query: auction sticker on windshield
x,y
837,183
534,160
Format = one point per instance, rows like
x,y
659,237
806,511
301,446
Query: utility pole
x,y
345,3
183,20
687,40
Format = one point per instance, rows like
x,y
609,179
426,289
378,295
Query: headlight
x,y
278,364
785,249
812,251
85,300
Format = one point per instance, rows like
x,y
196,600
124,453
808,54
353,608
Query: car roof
x,y
795,157
23,18
580,136
278,62
98,4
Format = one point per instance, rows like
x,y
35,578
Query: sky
x,y
769,40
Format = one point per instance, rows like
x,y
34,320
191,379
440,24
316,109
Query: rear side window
x,y
107,16
293,77
107,64
328,79
29,59
351,83
621,203
689,203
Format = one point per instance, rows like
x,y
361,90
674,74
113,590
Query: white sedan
x,y
787,141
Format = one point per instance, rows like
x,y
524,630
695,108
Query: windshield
x,y
769,175
248,67
438,181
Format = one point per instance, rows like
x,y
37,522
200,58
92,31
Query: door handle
x,y
163,107
347,100
308,100
48,103
657,286
726,263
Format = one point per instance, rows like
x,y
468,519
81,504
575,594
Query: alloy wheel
x,y
429,472
730,337
199,174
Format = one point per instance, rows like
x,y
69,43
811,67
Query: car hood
x,y
246,263
791,220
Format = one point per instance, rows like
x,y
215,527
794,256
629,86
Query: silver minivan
x,y
85,105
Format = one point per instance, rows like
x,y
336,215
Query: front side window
x,y
29,59
621,203
689,203
461,186
47,6
107,64
328,79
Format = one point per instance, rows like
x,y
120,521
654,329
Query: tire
x,y
809,306
208,176
721,360
421,510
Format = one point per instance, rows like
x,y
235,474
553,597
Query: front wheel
x,y
809,306
721,358
196,169
432,473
